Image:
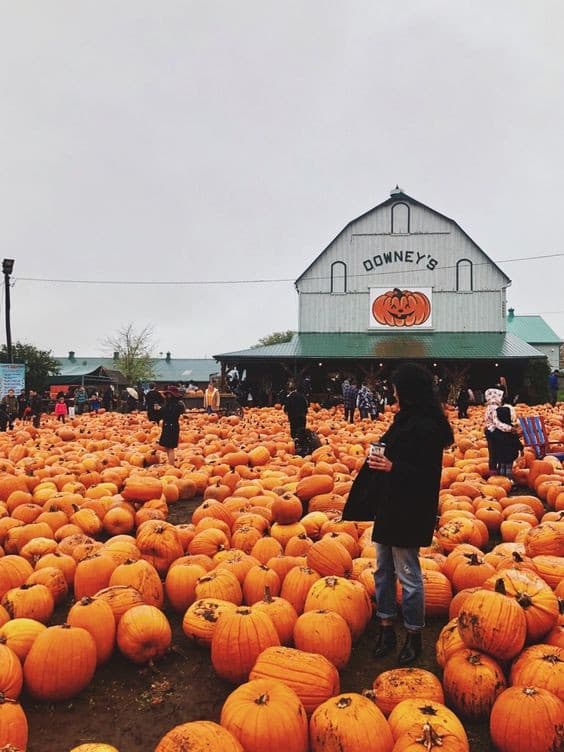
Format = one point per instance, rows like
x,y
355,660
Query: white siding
x,y
452,312
426,257
552,352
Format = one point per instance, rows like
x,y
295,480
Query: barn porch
x,y
479,358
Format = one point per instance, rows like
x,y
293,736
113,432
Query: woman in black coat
x,y
170,414
295,408
402,488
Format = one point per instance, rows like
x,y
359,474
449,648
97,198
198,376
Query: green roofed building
x,y
535,331
401,282
74,370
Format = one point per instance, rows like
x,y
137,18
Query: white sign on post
x,y
12,376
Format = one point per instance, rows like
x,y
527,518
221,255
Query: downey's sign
x,y
383,258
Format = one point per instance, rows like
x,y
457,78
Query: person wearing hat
x,y
170,414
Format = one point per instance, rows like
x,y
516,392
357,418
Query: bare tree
x,y
133,348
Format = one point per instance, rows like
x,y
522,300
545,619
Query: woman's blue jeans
x,y
402,563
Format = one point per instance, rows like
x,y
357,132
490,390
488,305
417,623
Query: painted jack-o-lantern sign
x,y
401,308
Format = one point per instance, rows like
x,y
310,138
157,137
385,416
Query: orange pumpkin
x,y
198,736
60,664
349,721
96,617
313,678
265,714
144,634
238,639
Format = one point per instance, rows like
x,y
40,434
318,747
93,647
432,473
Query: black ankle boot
x,y
386,643
411,649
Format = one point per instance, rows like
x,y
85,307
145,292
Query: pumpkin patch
x,y
234,568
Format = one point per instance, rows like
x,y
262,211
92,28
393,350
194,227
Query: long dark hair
x,y
414,385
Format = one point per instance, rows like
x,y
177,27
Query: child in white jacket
x,y
494,399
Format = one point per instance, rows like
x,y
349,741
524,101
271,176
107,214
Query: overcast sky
x,y
224,139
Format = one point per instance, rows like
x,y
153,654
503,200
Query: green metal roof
x,y
171,371
533,329
439,345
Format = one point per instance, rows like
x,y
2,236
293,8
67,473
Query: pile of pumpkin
x,y
83,510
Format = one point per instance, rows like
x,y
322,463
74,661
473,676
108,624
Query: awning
x,y
389,346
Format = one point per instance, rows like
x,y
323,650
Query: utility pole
x,y
7,268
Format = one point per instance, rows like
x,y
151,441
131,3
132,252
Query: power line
x,y
201,282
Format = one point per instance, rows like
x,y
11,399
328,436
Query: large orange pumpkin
x,y
265,714
527,719
60,664
311,676
238,639
350,721
144,634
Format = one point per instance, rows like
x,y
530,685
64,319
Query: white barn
x,y
402,244
401,281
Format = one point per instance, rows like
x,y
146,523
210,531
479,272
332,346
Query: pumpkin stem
x,y
370,694
262,699
517,557
331,582
473,560
552,658
500,586
267,597
524,600
474,659
86,601
529,691
430,738
344,702
3,699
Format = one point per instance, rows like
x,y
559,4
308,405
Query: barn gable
x,y
402,243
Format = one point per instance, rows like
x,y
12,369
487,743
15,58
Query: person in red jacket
x,y
61,409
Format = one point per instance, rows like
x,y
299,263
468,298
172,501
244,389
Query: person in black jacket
x,y
36,406
295,408
402,489
170,414
153,400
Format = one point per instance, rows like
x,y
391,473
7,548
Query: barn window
x,y
400,219
338,277
464,276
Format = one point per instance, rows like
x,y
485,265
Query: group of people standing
x,y
25,406
370,403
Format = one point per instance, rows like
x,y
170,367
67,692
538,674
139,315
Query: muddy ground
x,y
132,707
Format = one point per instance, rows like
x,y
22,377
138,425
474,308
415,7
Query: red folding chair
x,y
535,436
